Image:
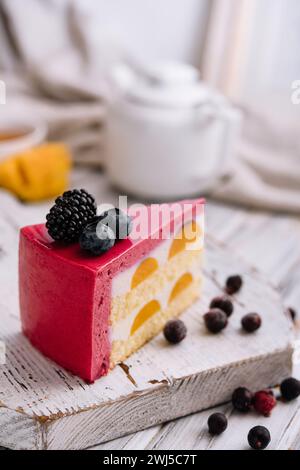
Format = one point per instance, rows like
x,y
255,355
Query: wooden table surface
x,y
270,242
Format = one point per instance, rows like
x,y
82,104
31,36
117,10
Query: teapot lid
x,y
163,84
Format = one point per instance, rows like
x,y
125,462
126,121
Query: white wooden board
x,y
44,407
2,352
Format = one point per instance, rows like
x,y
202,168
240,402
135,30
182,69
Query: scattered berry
x,y
96,237
223,303
215,320
251,322
118,221
233,284
259,437
217,423
264,402
242,399
175,331
290,389
292,313
69,215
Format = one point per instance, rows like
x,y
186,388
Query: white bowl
x,y
29,134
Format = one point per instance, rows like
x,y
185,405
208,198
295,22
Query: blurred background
x,y
204,90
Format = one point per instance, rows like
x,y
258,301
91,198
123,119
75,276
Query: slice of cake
x,y
89,313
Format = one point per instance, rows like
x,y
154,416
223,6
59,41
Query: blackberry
x,y
217,423
259,437
69,215
223,303
175,331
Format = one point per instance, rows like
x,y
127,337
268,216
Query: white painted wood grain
x,y
136,441
2,352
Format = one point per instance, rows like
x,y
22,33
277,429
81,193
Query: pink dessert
x,y
88,313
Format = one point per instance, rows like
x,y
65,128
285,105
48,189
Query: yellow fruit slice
x,y
38,173
183,282
176,247
144,314
191,232
188,234
145,269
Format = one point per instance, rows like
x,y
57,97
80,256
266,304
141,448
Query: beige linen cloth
x,y
55,67
266,172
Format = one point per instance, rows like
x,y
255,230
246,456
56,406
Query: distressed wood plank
x,y
18,431
188,433
137,441
167,382
2,353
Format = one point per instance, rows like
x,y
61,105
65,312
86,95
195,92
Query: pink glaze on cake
x,y
65,295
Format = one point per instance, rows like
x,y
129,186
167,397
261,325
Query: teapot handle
x,y
231,118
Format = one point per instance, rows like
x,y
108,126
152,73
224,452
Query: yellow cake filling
x,y
121,349
150,288
189,234
150,309
160,287
145,269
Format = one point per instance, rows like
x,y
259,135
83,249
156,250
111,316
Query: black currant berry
x,y
233,284
215,320
290,389
217,423
242,399
175,331
259,437
292,313
223,303
251,322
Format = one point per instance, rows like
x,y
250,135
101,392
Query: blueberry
x,y
96,237
118,221
175,331
290,389
242,399
217,423
223,303
233,284
259,437
251,322
215,320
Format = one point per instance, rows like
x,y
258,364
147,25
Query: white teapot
x,y
168,135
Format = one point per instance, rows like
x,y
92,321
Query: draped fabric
x,y
55,69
